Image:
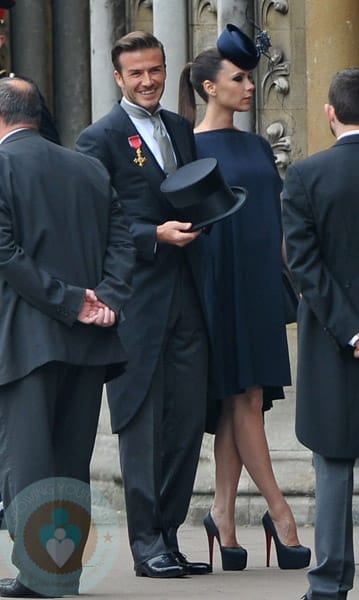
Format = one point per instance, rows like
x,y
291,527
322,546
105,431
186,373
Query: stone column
x,y
104,91
331,45
71,68
31,43
234,11
170,27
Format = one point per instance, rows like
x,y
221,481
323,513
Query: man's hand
x,y
175,232
356,349
95,312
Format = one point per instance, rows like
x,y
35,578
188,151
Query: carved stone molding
x,y
276,75
207,5
275,85
281,144
141,14
281,6
138,5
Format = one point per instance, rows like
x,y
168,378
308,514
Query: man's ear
x,y
118,78
330,112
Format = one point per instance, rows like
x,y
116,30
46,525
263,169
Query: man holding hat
x,y
158,406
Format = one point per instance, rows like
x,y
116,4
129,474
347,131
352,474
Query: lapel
x,y
120,131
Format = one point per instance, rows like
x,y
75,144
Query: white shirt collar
x,y
125,101
12,132
347,133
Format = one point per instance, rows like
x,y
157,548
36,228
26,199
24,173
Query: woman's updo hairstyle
x,y
205,66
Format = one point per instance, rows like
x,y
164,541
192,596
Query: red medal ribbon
x,y
135,141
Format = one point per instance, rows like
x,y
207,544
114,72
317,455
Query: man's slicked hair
x,y
19,101
136,40
344,95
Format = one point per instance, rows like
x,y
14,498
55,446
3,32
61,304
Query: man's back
x,y
66,261
56,196
56,210
331,181
321,217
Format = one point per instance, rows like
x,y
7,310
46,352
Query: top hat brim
x,y
200,195
240,194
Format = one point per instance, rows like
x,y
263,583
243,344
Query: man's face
x,y
142,77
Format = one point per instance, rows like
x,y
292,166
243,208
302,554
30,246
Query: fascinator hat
x,y
236,46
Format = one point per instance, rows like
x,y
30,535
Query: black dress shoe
x,y
192,568
12,588
163,565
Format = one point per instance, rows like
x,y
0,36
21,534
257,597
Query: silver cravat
x,y
160,135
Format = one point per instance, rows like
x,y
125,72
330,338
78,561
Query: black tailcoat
x,y
321,221
157,267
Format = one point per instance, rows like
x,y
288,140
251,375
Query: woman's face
x,y
233,88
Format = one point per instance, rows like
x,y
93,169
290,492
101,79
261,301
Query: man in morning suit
x,y
158,406
66,263
321,220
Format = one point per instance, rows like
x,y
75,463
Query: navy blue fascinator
x,y
237,47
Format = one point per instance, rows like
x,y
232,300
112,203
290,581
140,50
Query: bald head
x,y
20,103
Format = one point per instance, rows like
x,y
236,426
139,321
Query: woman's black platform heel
x,y
289,557
233,559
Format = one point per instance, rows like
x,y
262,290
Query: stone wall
x,y
331,44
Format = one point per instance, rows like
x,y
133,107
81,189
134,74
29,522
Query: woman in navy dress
x,y
244,302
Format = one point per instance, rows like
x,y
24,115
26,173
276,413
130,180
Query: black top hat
x,y
200,194
237,47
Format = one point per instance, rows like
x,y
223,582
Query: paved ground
x,y
255,583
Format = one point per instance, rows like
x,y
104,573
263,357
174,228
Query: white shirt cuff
x,y
354,339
